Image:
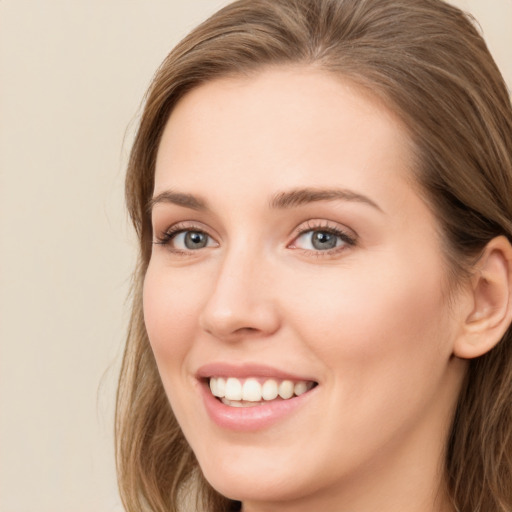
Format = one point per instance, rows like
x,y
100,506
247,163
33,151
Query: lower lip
x,y
251,418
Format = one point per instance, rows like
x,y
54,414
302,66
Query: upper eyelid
x,y
319,224
187,225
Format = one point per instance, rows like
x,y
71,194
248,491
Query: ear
x,y
490,311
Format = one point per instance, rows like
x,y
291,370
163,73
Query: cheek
x,y
384,341
170,312
171,308
390,312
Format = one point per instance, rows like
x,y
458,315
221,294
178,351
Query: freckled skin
x,y
369,321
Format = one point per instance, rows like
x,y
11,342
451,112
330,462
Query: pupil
x,y
323,240
195,240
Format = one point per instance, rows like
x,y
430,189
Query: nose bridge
x,y
241,301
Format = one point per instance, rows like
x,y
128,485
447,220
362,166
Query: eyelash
x,y
171,233
311,226
324,227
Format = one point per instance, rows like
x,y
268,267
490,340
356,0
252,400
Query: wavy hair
x,y
430,65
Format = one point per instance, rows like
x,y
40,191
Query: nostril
x,y
247,330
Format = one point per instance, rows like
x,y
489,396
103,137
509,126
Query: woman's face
x,y
293,255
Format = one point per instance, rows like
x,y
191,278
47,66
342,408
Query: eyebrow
x,y
302,196
179,199
282,200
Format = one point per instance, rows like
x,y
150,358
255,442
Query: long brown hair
x,y
430,65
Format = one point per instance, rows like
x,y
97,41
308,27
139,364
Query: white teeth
x,y
251,390
269,390
232,403
233,391
218,387
213,387
239,403
286,389
221,387
300,388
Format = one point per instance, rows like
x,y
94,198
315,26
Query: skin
x,y
369,322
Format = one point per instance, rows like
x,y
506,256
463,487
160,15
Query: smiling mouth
x,y
252,392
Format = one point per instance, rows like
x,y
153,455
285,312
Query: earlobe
x,y
491,298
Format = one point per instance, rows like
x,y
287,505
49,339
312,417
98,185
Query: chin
x,y
247,487
265,477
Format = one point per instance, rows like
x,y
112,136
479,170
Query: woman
x,y
322,306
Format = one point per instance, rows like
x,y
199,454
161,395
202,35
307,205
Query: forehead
x,y
281,128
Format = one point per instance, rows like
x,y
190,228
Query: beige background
x,y
72,74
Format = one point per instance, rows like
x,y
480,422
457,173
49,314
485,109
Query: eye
x,y
327,239
318,241
180,240
191,240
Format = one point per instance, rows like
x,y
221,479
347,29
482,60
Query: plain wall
x,y
72,75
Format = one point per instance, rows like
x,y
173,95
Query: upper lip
x,y
245,370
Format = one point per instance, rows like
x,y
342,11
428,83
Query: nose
x,y
241,303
